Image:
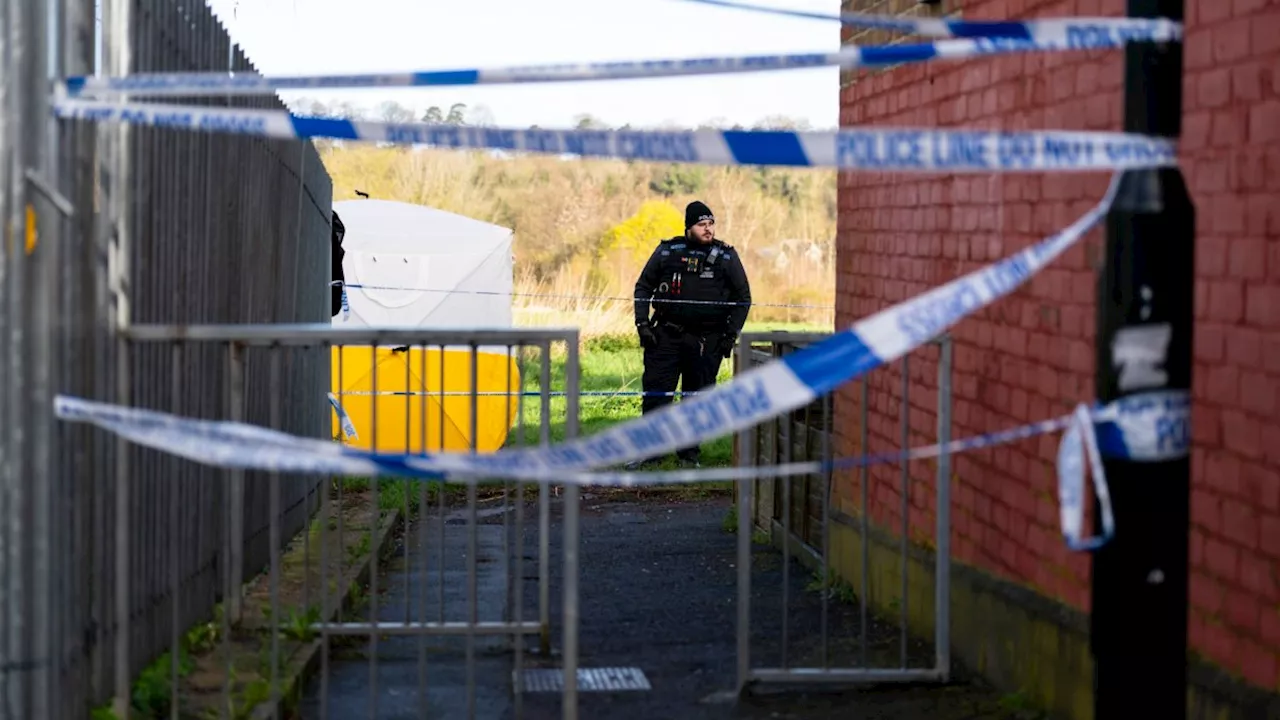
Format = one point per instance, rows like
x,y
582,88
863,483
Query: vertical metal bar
x,y
506,497
441,487
473,543
785,421
572,377
906,501
518,595
942,588
544,508
234,536
175,576
118,22
273,393
865,525
405,485
827,477
373,549
424,507
325,592
747,447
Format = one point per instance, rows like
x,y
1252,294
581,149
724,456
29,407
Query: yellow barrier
x,y
400,417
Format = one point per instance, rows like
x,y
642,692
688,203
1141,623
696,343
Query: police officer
x,y
700,297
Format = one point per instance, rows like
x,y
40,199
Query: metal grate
x,y
589,679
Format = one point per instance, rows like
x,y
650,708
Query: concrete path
x,y
658,593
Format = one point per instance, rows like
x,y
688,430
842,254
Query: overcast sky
x,y
297,37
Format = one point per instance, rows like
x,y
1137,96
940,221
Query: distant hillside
x,y
583,228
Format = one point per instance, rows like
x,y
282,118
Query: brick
x,y
1226,301
1245,7
1206,593
1222,474
1205,511
1259,393
1269,627
1247,258
1260,485
1241,434
1223,385
1257,577
1210,343
1265,35
1264,122
1220,646
1244,347
1213,89
1231,40
1222,559
1262,306
1258,664
1242,611
1269,540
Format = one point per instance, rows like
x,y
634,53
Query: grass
x,y
613,363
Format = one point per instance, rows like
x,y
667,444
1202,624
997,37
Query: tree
x,y
635,237
481,116
457,115
393,112
781,122
433,116
587,121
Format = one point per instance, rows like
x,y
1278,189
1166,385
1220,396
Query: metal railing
x,y
430,415
769,506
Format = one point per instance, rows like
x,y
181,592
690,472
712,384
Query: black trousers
x,y
681,355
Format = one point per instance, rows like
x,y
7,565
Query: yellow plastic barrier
x,y
400,417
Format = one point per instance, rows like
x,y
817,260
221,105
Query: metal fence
x,y
108,227
797,514
435,600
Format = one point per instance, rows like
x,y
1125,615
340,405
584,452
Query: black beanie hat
x,y
696,212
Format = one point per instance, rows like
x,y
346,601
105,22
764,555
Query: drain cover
x,y
589,679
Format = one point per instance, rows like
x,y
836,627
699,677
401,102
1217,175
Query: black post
x,y
1144,331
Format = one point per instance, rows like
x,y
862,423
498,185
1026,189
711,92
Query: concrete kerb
x,y
304,663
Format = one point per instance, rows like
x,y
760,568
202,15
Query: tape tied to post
x,y
878,149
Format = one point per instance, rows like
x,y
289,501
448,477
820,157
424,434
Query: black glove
x,y
727,341
648,338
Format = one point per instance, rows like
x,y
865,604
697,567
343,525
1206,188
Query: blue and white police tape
x,y
1076,32
193,84
758,394
519,393
567,296
348,427
876,149
1145,428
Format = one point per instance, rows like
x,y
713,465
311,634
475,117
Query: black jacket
x,y
682,269
335,240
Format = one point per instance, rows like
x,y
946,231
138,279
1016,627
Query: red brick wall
x,y
1030,356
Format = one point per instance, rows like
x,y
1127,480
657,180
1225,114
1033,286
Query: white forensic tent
x,y
414,266
400,245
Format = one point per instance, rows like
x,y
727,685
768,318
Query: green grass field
x,y
610,363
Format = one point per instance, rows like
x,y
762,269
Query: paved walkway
x,y
658,588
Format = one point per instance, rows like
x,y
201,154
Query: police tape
x,y
755,395
1148,428
567,296
875,149
1077,32
344,420
194,84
